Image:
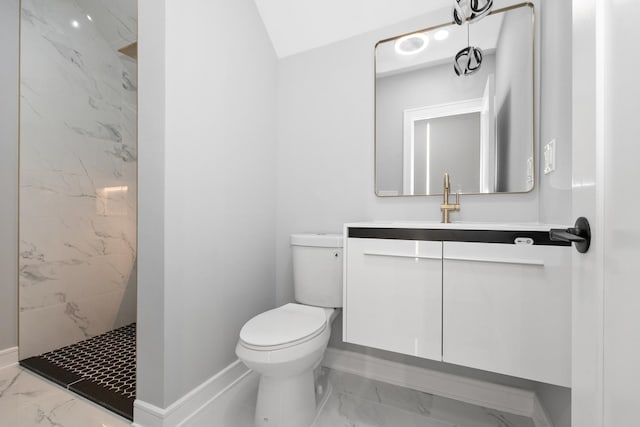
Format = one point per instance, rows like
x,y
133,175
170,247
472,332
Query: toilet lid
x,y
286,324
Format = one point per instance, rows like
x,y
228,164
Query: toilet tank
x,y
317,269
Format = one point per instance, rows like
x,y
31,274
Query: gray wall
x,y
432,86
207,188
9,21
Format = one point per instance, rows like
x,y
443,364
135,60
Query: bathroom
x,y
218,198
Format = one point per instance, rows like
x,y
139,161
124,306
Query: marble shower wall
x,y
78,170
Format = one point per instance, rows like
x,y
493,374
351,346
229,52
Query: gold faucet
x,y
445,207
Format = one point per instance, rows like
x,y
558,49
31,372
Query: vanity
x,y
495,297
458,102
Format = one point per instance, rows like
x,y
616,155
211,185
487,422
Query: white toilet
x,y
286,344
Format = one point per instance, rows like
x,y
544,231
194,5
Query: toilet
x,y
285,345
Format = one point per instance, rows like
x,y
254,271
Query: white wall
x,y
9,21
207,179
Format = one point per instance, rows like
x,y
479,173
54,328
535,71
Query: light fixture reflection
x,y
122,189
112,201
89,18
441,35
75,24
411,44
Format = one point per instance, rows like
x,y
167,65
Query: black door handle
x,y
580,234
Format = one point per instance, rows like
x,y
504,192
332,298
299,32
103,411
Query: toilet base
x,y
286,402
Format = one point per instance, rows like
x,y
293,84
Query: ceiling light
x,y
412,44
89,18
441,35
471,10
75,24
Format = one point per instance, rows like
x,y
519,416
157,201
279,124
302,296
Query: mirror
x,y
479,128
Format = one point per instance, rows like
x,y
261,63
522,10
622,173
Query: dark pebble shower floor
x,y
101,369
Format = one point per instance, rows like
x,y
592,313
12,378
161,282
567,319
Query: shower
x,y
78,196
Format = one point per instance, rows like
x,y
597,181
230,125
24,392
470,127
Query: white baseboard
x,y
8,357
178,413
481,393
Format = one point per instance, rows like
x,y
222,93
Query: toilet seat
x,y
283,327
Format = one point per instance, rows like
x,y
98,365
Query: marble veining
x,y
77,171
360,402
28,401
355,401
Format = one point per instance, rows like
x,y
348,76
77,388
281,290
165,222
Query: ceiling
x,y
299,25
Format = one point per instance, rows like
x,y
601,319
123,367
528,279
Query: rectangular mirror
x,y
479,128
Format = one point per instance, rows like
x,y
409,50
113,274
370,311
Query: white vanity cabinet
x,y
393,300
500,306
507,309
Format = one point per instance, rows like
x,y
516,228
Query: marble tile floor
x,y
359,402
29,401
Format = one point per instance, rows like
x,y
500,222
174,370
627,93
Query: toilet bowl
x,y
286,344
285,361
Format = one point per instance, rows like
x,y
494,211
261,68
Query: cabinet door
x,y
393,296
507,309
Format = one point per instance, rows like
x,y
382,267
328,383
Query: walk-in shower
x,y
78,192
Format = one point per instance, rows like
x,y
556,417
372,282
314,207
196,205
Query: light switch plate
x,y
550,157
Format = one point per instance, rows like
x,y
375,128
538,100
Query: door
x,y
606,144
621,229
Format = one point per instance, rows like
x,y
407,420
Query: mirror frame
x,y
534,74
